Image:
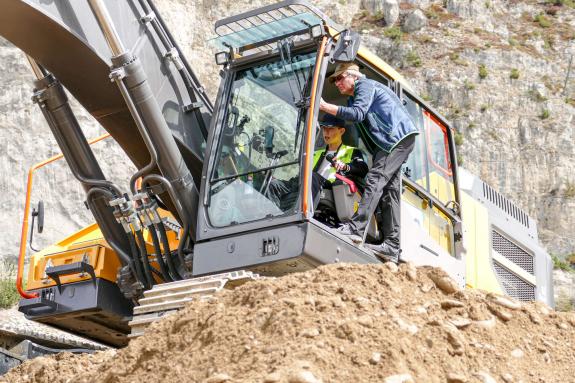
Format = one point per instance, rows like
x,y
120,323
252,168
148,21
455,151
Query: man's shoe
x,y
346,230
384,252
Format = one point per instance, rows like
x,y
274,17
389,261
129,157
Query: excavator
x,y
196,216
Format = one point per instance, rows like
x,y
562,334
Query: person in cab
x,y
335,158
382,119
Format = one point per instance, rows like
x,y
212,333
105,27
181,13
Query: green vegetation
x,y
514,75
456,59
8,294
545,114
426,97
513,42
483,108
564,303
560,264
459,159
413,58
458,138
569,192
468,84
471,125
483,71
561,3
542,20
536,96
393,33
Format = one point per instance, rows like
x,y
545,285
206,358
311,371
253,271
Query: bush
x,y
542,20
560,264
393,33
458,138
544,114
514,75
8,294
413,59
483,71
468,85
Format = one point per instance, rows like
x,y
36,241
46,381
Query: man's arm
x,y
363,98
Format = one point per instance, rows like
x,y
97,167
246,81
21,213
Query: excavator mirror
x,y
346,47
39,214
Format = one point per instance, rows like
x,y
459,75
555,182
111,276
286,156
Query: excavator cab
x,y
264,130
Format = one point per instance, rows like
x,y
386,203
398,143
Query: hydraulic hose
x,y
125,258
164,237
164,271
185,235
136,260
145,259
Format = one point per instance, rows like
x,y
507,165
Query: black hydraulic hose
x,y
125,258
169,43
135,254
145,259
165,274
164,237
195,79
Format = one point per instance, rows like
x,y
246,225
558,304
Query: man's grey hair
x,y
355,73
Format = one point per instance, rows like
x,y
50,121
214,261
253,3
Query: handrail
x,y
310,125
24,235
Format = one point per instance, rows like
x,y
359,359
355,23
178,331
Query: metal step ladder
x,y
167,298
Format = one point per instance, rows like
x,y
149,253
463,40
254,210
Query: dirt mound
x,y
337,323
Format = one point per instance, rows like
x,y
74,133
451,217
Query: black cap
x,y
330,120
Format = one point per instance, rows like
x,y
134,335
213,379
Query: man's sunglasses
x,y
339,77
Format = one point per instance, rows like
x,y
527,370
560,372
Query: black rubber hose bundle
x,y
164,237
163,270
136,260
145,259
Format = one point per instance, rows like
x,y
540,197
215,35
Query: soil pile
x,y
337,323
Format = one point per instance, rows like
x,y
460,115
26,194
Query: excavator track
x,y
166,299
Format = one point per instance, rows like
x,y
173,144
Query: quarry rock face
x,y
497,72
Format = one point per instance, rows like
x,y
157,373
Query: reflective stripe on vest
x,y
344,154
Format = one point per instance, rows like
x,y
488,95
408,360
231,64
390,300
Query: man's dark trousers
x,y
383,182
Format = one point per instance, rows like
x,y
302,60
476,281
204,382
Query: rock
x,y
375,358
454,377
403,378
504,301
365,321
460,322
487,324
218,378
451,303
517,353
507,378
443,282
485,377
391,266
534,318
500,313
562,326
456,341
309,332
415,21
389,9
405,326
303,377
411,271
274,377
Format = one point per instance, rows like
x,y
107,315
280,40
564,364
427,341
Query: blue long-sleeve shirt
x,y
379,113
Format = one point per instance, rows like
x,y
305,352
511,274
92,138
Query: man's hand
x,y
327,107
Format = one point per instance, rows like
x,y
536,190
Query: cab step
x,y
167,298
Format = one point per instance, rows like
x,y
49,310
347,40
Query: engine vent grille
x,y
514,286
504,204
512,252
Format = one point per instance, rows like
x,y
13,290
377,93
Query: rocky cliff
x,y
497,69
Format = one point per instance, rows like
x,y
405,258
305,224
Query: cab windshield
x,y
257,165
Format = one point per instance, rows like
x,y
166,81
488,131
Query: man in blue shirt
x,y
385,124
